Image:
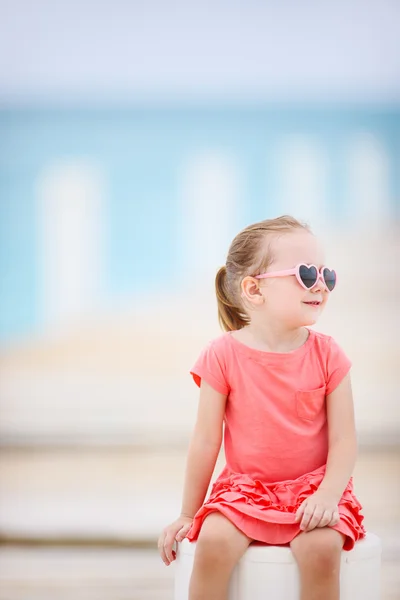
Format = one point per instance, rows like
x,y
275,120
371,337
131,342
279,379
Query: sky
x,y
156,51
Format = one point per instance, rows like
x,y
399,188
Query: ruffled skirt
x,y
265,512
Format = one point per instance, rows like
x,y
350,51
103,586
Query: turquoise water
x,y
141,152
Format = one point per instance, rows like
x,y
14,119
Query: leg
x,y
219,547
317,553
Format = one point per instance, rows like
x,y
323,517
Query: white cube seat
x,y
270,572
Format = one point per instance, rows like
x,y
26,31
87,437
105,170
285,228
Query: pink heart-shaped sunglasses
x,y
307,276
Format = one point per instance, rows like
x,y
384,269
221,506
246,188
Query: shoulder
x,y
218,347
321,339
324,344
221,342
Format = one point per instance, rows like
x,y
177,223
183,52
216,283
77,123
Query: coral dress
x,y
275,435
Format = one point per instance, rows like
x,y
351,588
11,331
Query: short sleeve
x,y
338,365
209,367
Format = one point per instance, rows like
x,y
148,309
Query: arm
x,y
321,509
342,439
204,448
202,456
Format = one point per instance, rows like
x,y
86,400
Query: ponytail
x,y
229,315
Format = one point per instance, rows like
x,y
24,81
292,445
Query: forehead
x,y
296,247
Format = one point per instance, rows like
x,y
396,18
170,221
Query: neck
x,y
273,337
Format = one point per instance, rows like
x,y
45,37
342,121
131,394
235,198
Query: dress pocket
x,y
309,403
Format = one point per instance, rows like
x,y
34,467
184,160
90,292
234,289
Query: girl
x,y
284,396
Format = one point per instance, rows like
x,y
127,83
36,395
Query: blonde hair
x,y
246,257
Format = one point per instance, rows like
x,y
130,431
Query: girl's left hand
x,y
319,510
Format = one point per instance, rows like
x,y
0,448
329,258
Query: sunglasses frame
x,y
296,272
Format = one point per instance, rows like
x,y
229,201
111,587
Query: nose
x,y
319,285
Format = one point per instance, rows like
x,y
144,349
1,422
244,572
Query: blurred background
x,y
136,139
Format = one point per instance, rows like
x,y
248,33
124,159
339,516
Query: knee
x,y
212,547
319,555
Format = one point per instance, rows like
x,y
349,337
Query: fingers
x,y
314,513
168,544
165,544
307,517
335,519
314,518
175,532
326,518
160,546
318,517
182,533
300,512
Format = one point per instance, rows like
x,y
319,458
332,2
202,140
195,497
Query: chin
x,y
308,321
301,323
311,316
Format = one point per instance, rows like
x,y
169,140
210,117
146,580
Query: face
x,y
283,299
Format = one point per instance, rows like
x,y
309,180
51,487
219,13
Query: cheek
x,y
285,295
287,286
325,299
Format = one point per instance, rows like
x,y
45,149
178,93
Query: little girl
x,y
282,394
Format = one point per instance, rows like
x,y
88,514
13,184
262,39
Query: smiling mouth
x,y
314,303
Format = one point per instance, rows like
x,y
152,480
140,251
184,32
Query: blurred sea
x,y
133,199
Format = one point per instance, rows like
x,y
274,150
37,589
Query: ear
x,y
251,290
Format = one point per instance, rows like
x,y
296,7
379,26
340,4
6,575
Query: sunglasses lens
x,y
330,279
308,275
